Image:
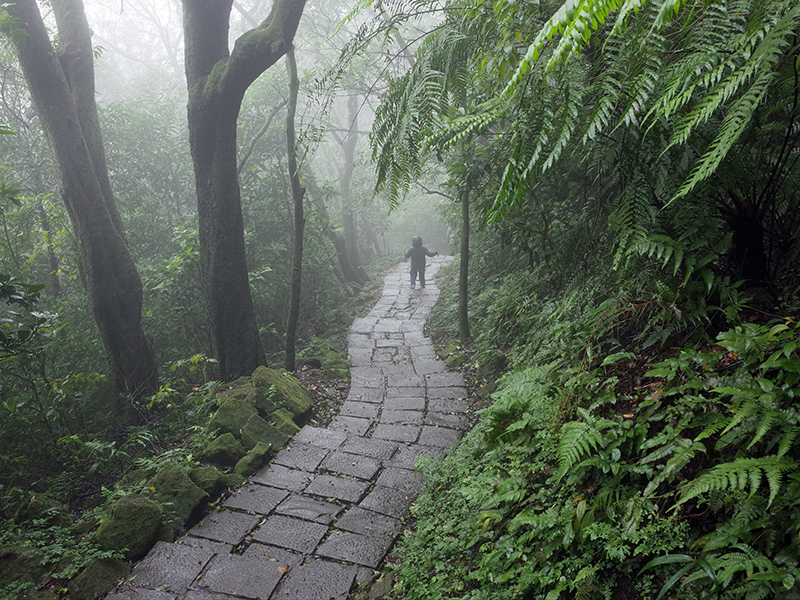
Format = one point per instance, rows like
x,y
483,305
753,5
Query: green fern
x,y
579,439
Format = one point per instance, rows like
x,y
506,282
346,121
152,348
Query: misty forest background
x,y
618,180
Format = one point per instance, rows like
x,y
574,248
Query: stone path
x,y
327,511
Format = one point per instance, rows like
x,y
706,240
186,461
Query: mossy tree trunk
x,y
217,80
61,85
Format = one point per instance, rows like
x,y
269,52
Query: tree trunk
x,y
63,93
348,216
299,218
217,80
463,271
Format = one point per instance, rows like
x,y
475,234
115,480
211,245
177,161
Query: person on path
x,y
417,254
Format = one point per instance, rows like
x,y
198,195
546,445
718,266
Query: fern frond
x,y
580,438
738,476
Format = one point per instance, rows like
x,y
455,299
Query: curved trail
x,y
329,508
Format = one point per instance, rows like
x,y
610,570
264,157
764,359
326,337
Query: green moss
x,y
289,392
283,421
224,450
255,459
231,416
180,497
98,579
258,430
132,523
208,479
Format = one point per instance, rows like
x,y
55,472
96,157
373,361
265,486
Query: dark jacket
x,y
417,255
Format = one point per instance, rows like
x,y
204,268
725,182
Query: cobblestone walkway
x,y
329,508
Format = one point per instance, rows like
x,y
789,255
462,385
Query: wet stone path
x,y
328,509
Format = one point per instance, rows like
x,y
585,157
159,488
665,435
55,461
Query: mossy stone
x,y
283,421
235,480
231,416
250,394
289,392
132,522
258,430
177,493
257,458
225,450
328,357
41,507
20,564
208,479
97,579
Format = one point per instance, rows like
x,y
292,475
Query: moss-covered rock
x,y
177,493
208,479
235,480
41,507
283,421
225,451
132,522
231,416
19,564
258,430
321,352
97,579
250,394
289,392
255,459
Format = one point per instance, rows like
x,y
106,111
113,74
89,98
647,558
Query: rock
x,y
231,416
250,394
208,479
40,507
255,459
225,450
97,579
132,522
283,421
180,497
19,564
234,480
289,392
258,430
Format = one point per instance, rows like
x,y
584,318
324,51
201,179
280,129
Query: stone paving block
x,y
401,479
338,488
447,392
445,380
366,377
318,436
453,421
201,594
354,465
354,425
365,410
284,478
447,405
256,498
439,436
404,378
132,592
397,433
427,367
408,403
388,501
304,457
390,343
171,567
363,325
406,392
254,574
225,526
367,550
365,395
401,417
294,534
380,449
318,579
367,522
303,507
196,542
384,357
410,457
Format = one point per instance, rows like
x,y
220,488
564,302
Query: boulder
x,y
289,392
258,430
231,416
225,450
180,497
97,579
255,459
20,564
250,394
132,522
208,479
283,421
234,480
41,507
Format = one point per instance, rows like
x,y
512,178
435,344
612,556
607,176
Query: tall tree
x,y
61,85
217,80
